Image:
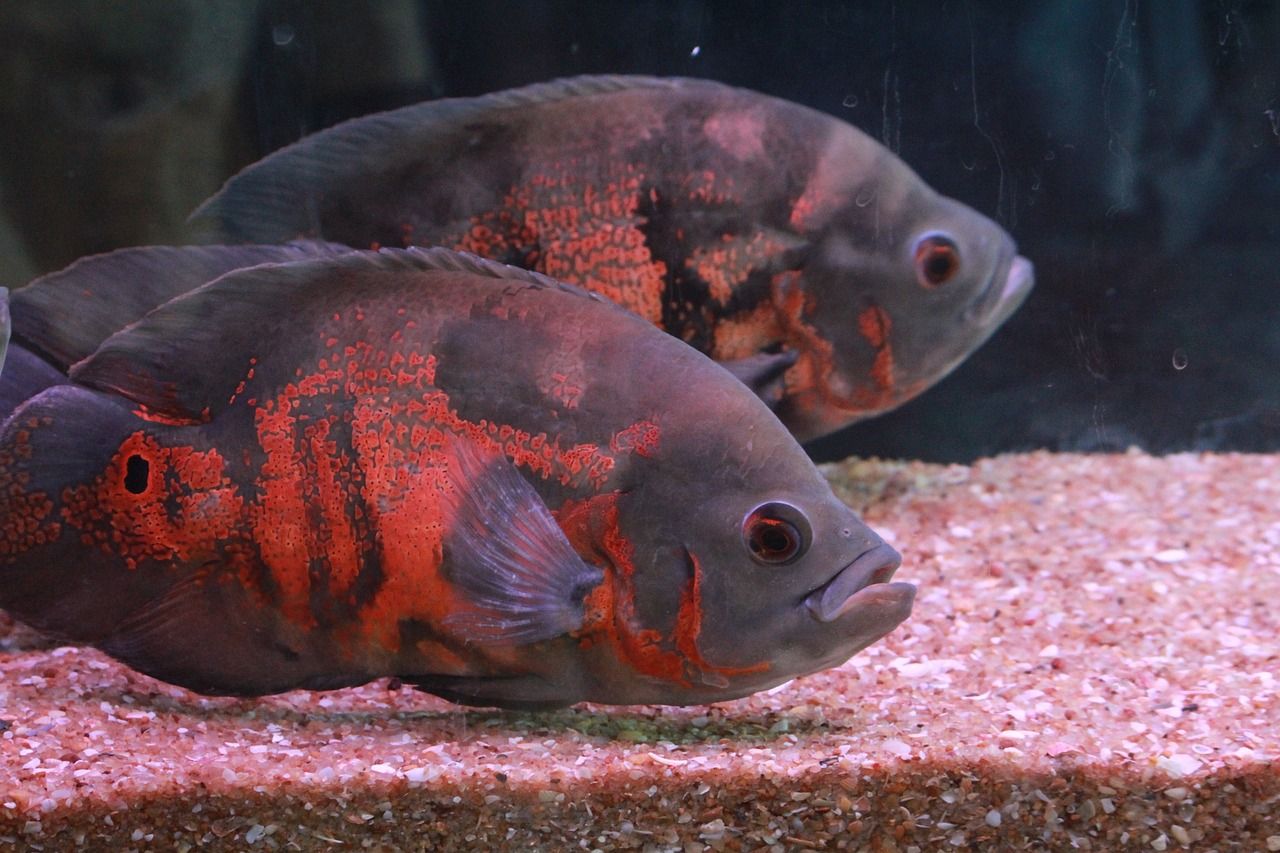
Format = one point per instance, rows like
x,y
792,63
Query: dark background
x,y
1133,150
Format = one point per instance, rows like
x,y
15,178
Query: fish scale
x,y
759,231
414,463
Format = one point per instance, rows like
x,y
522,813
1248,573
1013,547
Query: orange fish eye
x,y
937,261
775,533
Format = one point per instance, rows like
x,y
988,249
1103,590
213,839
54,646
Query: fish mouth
x,y
1007,290
864,584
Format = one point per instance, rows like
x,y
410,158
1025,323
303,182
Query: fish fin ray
x,y
278,198
763,373
64,316
184,358
505,552
204,634
516,693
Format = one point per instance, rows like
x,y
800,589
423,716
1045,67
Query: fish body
x,y
310,473
780,241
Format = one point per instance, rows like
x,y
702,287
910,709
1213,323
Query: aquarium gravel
x,y
1091,665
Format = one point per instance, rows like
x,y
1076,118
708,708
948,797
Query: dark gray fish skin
x,y
491,484
747,226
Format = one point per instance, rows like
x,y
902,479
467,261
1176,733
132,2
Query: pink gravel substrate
x,y
1092,665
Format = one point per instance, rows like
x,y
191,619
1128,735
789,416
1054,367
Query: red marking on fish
x,y
727,265
689,627
813,371
874,325
738,133
640,438
186,505
582,231
592,525
26,524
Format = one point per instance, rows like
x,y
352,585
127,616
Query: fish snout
x,y
865,581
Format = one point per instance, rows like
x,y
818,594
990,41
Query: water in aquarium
x,y
660,425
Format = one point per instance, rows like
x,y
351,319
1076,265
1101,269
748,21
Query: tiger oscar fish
x,y
782,242
245,470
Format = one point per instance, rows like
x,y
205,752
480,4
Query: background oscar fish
x,y
780,241
324,468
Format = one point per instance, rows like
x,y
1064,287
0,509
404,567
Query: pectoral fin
x,y
506,553
763,373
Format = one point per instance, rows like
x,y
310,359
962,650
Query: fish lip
x,y
872,567
1005,292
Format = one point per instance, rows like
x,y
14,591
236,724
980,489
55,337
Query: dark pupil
x,y
136,471
939,265
773,540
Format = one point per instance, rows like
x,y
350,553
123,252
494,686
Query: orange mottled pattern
x,y
575,230
26,523
183,509
746,334
325,506
728,264
874,325
813,376
337,521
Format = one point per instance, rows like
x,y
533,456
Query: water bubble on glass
x,y
1179,359
850,101
697,49
282,34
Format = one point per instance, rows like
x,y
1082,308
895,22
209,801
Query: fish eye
x,y
937,260
776,533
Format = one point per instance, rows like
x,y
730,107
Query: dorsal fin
x,y
65,315
277,197
184,359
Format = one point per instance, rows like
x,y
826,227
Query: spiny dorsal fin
x,y
184,359
64,316
277,198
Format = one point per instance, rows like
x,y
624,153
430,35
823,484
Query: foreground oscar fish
x,y
417,463
780,241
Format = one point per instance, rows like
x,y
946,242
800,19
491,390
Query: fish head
x,y
901,285
747,570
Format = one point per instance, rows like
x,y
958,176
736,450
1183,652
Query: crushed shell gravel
x,y
1092,665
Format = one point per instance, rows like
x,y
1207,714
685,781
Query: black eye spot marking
x,y
136,473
